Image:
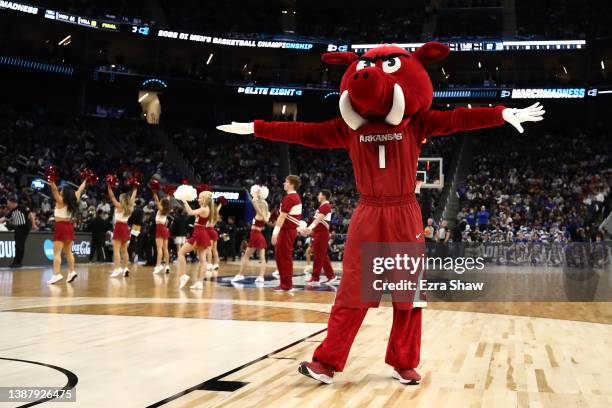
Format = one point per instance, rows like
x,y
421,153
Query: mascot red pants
x,y
374,220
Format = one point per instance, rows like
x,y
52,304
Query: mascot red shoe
x,y
385,100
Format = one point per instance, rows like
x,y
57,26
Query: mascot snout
x,y
371,93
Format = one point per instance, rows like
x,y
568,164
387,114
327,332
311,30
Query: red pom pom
x,y
89,176
93,179
184,181
154,185
51,174
169,189
222,200
133,182
112,180
202,187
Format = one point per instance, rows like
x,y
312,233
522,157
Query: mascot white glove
x,y
515,117
240,128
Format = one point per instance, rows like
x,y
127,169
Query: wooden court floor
x,y
523,354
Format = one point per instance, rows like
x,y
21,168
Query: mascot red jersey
x,y
385,100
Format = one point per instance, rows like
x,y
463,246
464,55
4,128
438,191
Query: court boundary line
x,y
232,371
72,378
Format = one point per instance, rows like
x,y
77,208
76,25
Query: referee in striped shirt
x,y
19,219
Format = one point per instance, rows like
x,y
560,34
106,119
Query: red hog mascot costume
x,y
385,100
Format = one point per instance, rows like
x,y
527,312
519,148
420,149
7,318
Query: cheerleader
x,y
212,268
162,234
121,233
199,241
257,241
66,207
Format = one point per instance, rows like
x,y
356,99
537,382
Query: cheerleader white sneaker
x,y
308,269
117,273
276,274
167,269
71,276
158,269
260,279
209,267
183,281
215,267
198,285
238,277
55,278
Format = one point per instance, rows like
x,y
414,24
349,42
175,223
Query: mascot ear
x,y
339,58
430,52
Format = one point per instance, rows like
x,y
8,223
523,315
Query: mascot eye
x,y
391,65
363,64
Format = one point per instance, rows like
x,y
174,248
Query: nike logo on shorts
x,y
419,234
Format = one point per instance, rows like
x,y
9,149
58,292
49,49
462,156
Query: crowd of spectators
x,y
544,189
31,141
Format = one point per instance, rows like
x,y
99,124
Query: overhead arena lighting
x,y
65,41
142,98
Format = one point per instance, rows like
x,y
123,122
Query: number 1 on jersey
x,y
381,157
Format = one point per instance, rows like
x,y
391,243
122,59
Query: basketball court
x,y
140,341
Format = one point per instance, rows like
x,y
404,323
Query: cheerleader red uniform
x,y
292,206
122,230
64,230
199,236
320,244
212,232
161,231
256,238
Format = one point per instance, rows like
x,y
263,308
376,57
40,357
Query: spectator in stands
x,y
482,217
471,218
